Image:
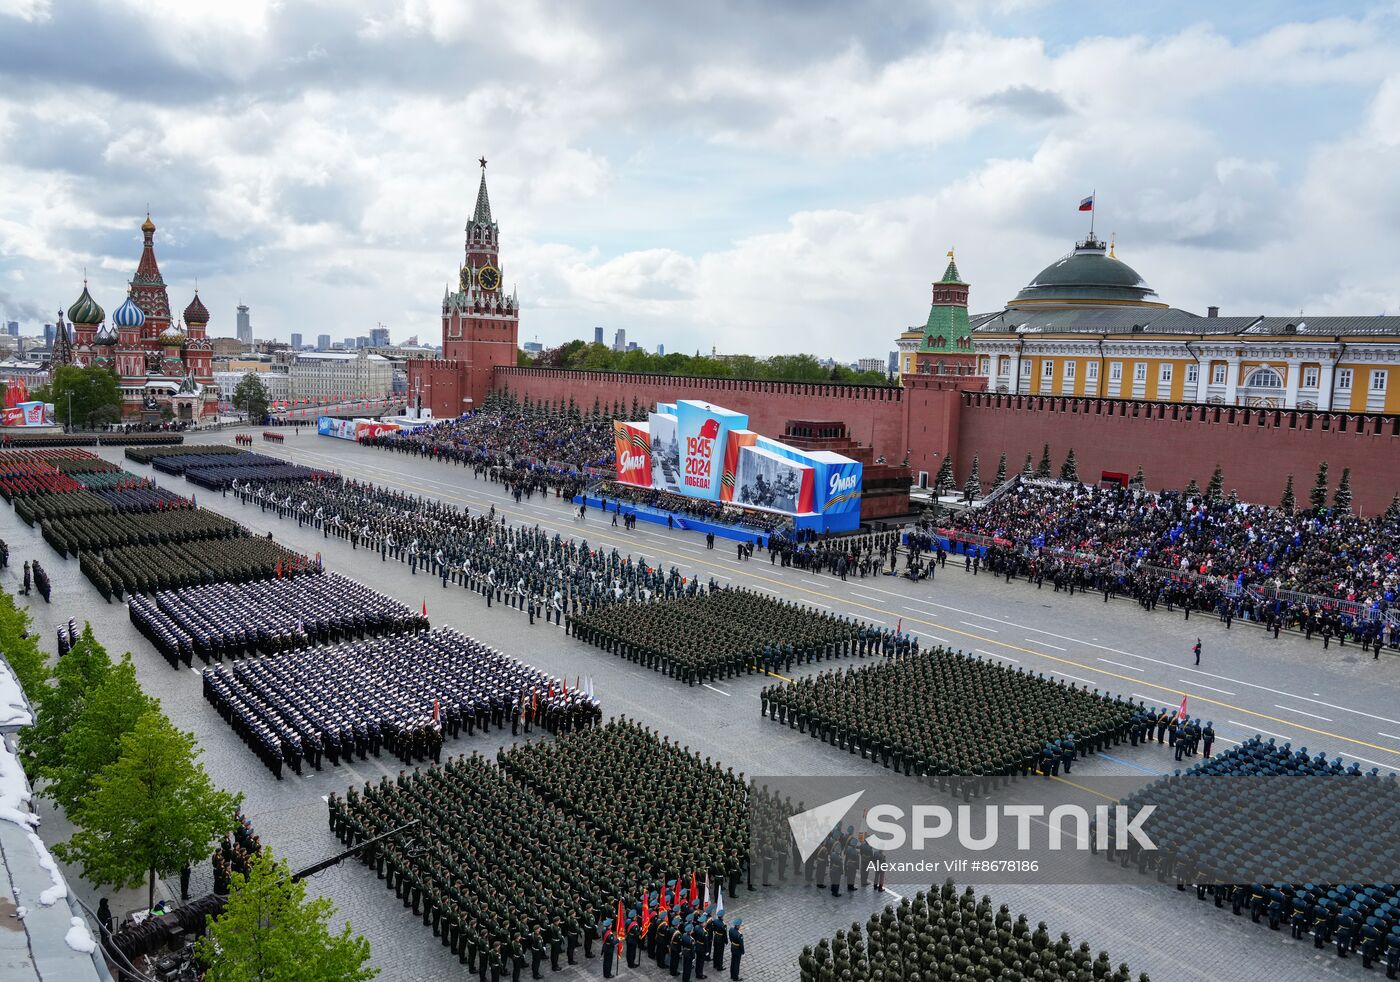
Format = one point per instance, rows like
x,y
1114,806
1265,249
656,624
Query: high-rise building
x,y
661,349
620,339
48,336
893,363
244,325
362,341
532,347
296,342
323,342
379,336
597,335
12,329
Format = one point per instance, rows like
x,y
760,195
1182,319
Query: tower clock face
x,y
488,277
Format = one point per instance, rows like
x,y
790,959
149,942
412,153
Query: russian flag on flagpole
x,y
1086,204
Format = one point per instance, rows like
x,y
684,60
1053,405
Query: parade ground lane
x,y
1156,929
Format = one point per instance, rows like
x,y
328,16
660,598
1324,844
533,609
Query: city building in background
x,y
870,365
661,349
244,331
296,342
597,335
378,336
324,375
12,328
532,347
943,344
620,339
323,342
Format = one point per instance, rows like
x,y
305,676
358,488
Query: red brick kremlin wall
x,y
1256,448
1174,443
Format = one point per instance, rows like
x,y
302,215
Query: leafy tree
x,y
943,481
250,395
91,392
1217,483
1289,501
93,741
1001,471
1069,470
21,648
1138,480
151,811
75,676
1193,490
1318,497
1043,468
1341,498
972,487
269,930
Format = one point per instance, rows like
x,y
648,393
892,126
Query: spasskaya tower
x,y
480,324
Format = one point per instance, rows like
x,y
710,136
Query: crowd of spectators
x,y
717,512
527,447
1322,570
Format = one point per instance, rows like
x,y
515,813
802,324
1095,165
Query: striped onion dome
x,y
128,315
85,310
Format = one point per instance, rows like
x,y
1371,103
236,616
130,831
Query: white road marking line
x,y
892,893
1202,685
1291,709
1075,677
1389,736
1045,644
937,638
195,670
1246,727
815,604
713,689
1152,700
874,600
993,654
980,627
326,798
1131,668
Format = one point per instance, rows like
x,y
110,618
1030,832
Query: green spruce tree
x,y
1138,480
1318,497
1289,501
1069,470
1043,469
972,487
1193,490
1341,498
1217,483
1028,469
1001,471
270,930
1393,511
943,481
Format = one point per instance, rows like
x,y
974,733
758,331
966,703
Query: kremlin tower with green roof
x,y
943,345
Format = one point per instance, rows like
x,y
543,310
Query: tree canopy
x,y
150,811
96,396
270,932
594,357
250,396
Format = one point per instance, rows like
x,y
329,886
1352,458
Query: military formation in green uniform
x,y
148,568
719,633
523,862
951,718
675,811
87,533
944,936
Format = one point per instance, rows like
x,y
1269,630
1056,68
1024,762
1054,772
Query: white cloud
x,y
795,186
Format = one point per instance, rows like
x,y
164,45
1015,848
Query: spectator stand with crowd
x,y
1320,571
531,448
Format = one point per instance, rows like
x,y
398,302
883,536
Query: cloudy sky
x,y
761,177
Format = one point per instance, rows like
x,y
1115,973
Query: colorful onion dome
x,y
128,315
106,334
173,332
85,310
196,312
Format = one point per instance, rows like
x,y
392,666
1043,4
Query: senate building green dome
x,y
1088,276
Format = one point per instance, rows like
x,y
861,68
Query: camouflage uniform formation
x,y
674,811
951,717
90,533
500,875
943,937
149,568
717,634
267,616
1203,827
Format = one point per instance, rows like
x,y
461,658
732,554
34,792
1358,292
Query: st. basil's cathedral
x,y
159,364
